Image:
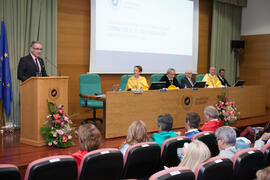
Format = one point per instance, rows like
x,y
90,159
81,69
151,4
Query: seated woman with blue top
x,y
137,81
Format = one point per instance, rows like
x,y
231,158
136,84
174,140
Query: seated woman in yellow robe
x,y
137,81
211,79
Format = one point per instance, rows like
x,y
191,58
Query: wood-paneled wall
x,y
255,62
74,46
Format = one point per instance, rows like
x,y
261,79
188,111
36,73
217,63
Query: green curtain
x,y
26,21
242,3
226,26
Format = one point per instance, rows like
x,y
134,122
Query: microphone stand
x,y
52,64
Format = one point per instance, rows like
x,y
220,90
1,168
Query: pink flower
x,y
50,144
64,139
55,142
60,132
56,116
69,137
55,134
62,124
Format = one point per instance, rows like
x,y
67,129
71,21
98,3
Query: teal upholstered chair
x,y
123,81
199,77
179,77
89,84
155,77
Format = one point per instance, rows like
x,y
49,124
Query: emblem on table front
x,y
54,93
187,101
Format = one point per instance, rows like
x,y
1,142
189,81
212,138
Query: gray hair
x,y
165,121
211,111
169,70
34,42
227,133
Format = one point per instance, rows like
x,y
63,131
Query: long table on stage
x,y
122,108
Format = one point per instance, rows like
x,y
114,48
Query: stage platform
x,y
13,152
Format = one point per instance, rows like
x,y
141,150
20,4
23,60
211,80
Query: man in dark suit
x,y
32,64
222,79
169,78
188,81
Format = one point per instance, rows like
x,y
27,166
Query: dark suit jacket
x,y
27,68
223,81
168,83
185,82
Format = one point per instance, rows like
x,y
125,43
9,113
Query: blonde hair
x,y
263,174
196,153
89,137
137,133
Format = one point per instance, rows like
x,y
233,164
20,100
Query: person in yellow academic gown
x,y
211,79
137,81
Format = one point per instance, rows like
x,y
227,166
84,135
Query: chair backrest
x,y
209,138
266,154
179,77
53,168
174,173
220,168
200,77
89,84
123,81
246,163
102,164
9,171
141,160
155,77
169,157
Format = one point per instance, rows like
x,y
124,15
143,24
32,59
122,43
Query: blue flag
x,y
6,88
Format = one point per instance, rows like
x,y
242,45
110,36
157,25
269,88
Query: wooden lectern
x,y
34,93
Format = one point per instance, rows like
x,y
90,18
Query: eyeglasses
x,y
40,49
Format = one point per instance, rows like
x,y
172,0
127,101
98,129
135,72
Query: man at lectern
x,y
32,64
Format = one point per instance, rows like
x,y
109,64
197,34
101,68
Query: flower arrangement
x,y
57,130
227,110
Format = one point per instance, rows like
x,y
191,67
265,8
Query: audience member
x,y
188,81
265,138
211,79
226,138
194,154
212,123
170,79
165,124
89,139
221,74
137,133
137,81
192,123
263,174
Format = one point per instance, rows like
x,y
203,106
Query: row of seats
x,y
140,162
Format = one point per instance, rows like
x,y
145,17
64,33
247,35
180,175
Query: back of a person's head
x,y
89,137
263,174
165,121
196,153
226,133
137,133
211,112
193,119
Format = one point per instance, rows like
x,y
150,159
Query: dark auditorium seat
x,y
53,168
266,154
169,157
141,160
174,173
209,138
246,163
220,168
9,172
102,164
